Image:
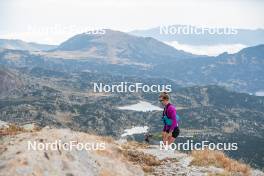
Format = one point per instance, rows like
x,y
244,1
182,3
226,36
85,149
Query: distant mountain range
x,y
120,53
184,34
241,71
21,45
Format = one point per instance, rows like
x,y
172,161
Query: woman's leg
x,y
171,140
175,134
164,137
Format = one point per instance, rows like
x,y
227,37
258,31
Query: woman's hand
x,y
164,137
169,134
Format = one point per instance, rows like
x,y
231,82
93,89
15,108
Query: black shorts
x,y
175,132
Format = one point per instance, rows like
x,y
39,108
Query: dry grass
x,y
131,153
146,161
134,145
107,139
12,129
127,154
219,159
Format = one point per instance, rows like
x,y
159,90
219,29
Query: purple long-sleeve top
x,y
171,113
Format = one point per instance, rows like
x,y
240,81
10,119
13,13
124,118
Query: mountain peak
x,y
119,45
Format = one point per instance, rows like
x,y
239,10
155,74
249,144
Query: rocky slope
x,y
116,158
9,81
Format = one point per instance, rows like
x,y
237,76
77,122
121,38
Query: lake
x,y
142,106
260,93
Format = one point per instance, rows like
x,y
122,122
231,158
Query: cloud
x,y
210,50
125,15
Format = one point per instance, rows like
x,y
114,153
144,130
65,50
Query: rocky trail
x,y
117,158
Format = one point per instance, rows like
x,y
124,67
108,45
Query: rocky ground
x,y
118,157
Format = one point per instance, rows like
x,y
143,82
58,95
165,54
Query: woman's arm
x,y
172,115
164,128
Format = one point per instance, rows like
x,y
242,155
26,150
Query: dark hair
x,y
164,95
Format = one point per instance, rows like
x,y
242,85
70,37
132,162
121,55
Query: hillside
x,y
22,45
211,113
115,45
9,81
116,158
117,53
241,71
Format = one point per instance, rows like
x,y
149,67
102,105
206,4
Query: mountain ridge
x,y
17,44
122,45
248,37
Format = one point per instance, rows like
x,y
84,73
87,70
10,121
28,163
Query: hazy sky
x,y
53,21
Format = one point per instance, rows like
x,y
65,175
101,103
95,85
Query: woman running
x,y
170,130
